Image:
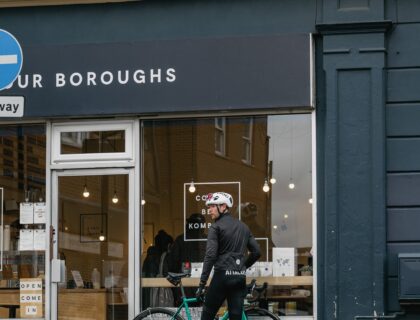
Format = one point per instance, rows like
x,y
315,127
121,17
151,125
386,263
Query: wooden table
x,y
272,281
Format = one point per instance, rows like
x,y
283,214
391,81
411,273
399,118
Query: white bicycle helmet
x,y
219,198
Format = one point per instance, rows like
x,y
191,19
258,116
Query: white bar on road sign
x,y
11,106
8,59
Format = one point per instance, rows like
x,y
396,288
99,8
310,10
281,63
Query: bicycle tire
x,y
158,314
258,314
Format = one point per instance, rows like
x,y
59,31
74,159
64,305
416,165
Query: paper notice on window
x,y
26,213
39,212
26,241
39,239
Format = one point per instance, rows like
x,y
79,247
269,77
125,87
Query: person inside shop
x,y
151,265
188,251
249,214
228,240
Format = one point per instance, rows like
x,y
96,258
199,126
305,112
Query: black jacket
x,y
227,242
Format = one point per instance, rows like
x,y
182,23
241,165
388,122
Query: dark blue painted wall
x,y
148,20
368,112
403,141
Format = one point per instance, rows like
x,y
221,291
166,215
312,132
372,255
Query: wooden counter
x,y
9,297
82,304
193,282
72,303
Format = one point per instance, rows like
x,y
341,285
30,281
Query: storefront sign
x,y
30,298
196,218
166,76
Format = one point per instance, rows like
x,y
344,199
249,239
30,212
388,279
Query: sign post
x,y
11,59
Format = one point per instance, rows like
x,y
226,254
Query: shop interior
x,y
265,162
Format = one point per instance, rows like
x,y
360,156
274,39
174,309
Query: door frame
x,y
133,221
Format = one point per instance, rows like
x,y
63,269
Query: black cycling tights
x,y
222,286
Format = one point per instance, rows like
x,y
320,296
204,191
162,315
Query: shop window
x,y
23,216
247,141
220,136
174,215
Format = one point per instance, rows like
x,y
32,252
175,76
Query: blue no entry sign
x,y
10,59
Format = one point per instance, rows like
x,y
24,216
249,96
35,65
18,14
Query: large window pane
x,y
271,150
93,245
22,182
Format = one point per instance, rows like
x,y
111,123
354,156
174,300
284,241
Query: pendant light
x,y
272,179
291,183
86,192
192,187
115,197
266,187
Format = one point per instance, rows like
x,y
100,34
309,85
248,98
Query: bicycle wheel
x,y
260,314
158,314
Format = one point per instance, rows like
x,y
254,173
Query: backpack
x,y
161,297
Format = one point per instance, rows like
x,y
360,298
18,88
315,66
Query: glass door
x,y
92,214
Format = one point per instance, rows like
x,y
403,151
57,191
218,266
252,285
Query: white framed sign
x,y
196,218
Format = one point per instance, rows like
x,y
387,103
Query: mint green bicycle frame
x,y
184,305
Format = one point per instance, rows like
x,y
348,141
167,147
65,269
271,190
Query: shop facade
x,y
133,112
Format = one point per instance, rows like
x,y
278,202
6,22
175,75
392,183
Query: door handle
x,y
52,241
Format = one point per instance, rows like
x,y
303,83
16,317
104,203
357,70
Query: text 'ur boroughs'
x,y
103,78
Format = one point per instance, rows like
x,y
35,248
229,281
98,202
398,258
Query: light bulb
x,y
310,201
86,192
101,237
291,185
115,197
273,180
275,227
143,202
192,187
266,187
286,216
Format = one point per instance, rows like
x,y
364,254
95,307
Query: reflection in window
x,y
279,219
247,141
92,142
220,136
22,183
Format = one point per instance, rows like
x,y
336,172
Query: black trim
x,y
354,27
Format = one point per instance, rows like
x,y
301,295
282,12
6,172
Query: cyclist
x,y
227,242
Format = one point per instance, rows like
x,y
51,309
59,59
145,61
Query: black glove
x,y
199,294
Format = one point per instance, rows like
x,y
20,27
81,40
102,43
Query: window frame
x,y
247,140
222,131
60,160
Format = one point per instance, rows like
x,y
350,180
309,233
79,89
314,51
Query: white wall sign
x,y
11,106
196,218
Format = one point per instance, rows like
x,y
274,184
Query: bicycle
x,y
250,311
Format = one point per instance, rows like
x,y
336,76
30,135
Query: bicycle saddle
x,y
175,278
